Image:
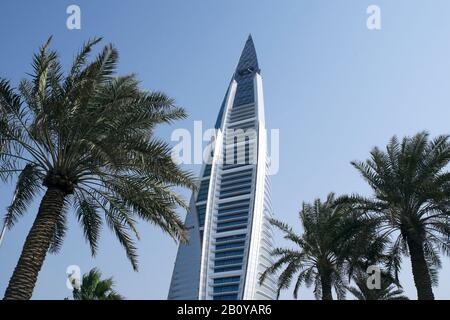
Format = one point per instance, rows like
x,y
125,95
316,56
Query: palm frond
x,y
89,219
28,184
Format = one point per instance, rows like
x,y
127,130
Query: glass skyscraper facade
x,y
230,237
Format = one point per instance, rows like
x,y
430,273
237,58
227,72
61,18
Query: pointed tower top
x,y
248,63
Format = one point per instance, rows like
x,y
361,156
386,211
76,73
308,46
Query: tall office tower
x,y
230,238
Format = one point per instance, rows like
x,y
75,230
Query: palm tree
x,y
94,288
320,253
411,202
86,140
388,289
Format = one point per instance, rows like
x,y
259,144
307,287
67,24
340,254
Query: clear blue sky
x,y
332,87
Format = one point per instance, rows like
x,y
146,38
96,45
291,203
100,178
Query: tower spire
x,y
248,62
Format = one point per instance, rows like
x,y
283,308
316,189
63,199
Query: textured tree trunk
x,y
326,286
36,246
420,270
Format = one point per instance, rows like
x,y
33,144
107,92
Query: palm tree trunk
x,y
325,280
420,270
36,246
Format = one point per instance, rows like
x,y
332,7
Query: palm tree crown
x,y
86,140
411,202
330,231
388,289
94,288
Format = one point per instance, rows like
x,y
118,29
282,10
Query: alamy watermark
x,y
73,21
73,280
240,146
374,280
374,19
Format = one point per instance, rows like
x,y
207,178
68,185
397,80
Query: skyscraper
x,y
230,238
